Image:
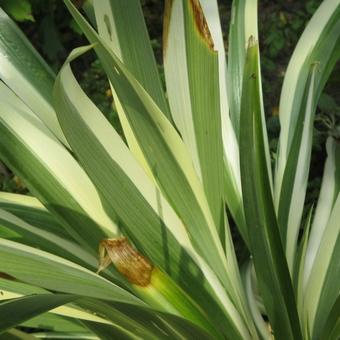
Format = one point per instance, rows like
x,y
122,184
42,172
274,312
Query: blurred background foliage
x,y
54,33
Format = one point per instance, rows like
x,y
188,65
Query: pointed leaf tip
x,y
252,42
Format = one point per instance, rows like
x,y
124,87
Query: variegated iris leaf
x,y
130,237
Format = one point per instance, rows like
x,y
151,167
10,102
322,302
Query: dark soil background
x,y
54,33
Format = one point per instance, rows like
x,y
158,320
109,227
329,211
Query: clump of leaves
x,y
154,203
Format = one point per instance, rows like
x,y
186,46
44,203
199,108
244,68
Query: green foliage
x,y
20,10
153,170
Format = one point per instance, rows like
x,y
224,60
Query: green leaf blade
x,y
165,153
142,211
51,173
318,44
322,289
27,74
294,183
266,247
48,271
122,27
19,310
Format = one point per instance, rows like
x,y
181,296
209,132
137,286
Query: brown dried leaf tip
x,y
166,23
135,267
201,23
